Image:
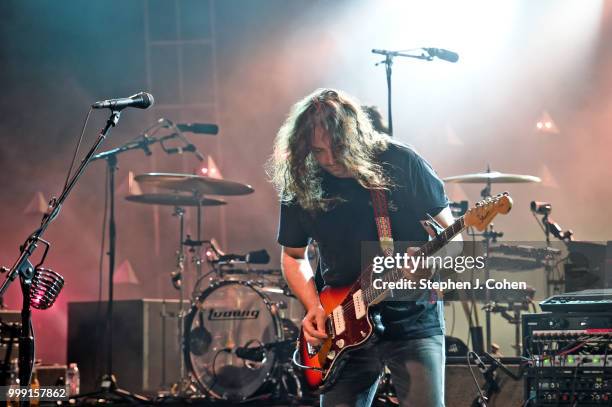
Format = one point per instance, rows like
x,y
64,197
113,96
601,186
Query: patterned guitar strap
x,y
383,226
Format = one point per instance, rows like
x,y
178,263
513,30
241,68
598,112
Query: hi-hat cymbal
x,y
493,177
174,200
194,183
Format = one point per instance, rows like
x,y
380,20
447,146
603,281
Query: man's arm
x,y
298,274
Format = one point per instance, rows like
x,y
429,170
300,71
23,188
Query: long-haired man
x,y
327,157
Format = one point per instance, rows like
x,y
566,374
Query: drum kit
x,y
239,329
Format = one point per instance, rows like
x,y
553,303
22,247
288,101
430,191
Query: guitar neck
x,y
373,295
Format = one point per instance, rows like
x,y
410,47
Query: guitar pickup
x,y
338,320
359,304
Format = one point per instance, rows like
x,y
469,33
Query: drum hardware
x,y
199,185
493,383
514,319
179,200
185,386
525,257
458,208
253,257
491,177
547,224
385,393
490,235
488,178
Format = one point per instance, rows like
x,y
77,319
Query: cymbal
x,y
194,183
173,200
493,177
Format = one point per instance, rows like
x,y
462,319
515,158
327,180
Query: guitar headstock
x,y
483,213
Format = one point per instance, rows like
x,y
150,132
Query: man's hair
x,y
294,170
378,123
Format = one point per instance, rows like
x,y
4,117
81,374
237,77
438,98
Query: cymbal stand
x,y
197,254
489,236
486,191
180,387
194,247
514,319
549,227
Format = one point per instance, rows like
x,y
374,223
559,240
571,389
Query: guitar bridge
x,y
312,350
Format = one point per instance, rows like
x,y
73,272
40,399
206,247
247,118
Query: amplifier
x,y
51,375
146,350
460,390
589,266
10,327
595,300
570,358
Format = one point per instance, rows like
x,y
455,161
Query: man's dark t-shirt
x,y
340,230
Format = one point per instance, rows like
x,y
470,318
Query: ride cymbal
x,y
174,200
493,177
194,183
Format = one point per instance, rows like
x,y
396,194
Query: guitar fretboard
x,y
372,295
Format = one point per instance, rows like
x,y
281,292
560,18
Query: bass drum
x,y
228,315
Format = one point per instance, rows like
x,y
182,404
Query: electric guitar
x,y
349,323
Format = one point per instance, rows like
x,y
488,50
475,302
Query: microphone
x,y
190,148
141,100
257,354
542,208
443,54
198,128
256,257
177,279
45,288
479,363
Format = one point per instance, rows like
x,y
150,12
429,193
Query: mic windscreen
x,y
541,208
143,100
447,55
442,54
200,128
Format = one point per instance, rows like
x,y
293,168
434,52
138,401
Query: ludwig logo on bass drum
x,y
217,315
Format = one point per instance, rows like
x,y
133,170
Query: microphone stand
x,y
388,62
108,384
492,384
25,270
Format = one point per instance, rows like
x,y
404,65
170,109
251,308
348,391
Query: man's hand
x,y
313,325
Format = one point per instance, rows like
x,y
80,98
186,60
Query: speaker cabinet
x,y
146,348
460,390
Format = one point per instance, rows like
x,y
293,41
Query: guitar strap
x,y
383,226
